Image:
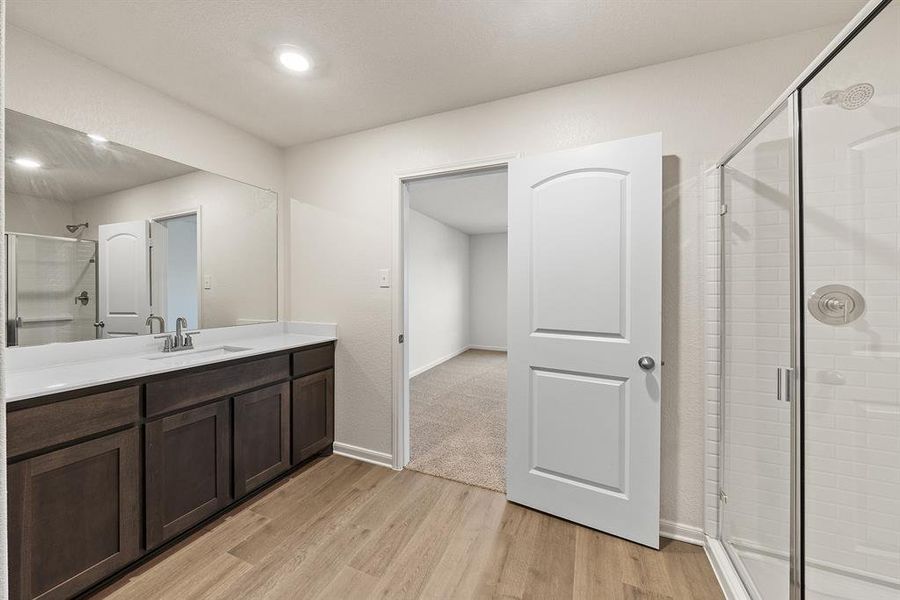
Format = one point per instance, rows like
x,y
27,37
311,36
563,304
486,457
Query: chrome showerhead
x,y
76,228
851,98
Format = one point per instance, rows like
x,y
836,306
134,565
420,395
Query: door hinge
x,y
723,209
723,496
400,339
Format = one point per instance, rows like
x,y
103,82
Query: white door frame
x,y
400,293
198,211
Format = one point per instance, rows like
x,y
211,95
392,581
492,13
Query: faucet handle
x,y
167,344
189,338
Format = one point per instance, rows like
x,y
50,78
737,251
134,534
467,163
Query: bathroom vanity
x,y
139,449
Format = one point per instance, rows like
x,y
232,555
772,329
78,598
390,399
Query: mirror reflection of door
x,y
175,269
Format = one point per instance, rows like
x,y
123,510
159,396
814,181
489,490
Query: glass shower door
x,y
757,187
52,289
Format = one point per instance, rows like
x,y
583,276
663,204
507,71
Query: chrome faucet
x,y
157,318
182,340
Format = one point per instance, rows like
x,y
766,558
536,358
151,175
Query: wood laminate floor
x,y
346,529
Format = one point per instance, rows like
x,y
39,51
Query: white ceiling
x,y
74,168
380,62
473,202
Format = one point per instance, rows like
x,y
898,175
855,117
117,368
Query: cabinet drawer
x,y
39,427
176,393
313,360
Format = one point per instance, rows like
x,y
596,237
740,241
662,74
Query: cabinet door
x,y
262,433
188,462
74,516
312,414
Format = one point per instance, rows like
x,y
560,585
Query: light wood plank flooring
x,y
345,529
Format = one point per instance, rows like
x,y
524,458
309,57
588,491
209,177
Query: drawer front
x,y
313,360
184,391
39,427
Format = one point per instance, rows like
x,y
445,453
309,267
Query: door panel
x,y
262,434
584,306
577,232
183,492
124,290
756,440
74,516
312,414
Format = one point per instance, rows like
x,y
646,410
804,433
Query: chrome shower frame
x,y
791,99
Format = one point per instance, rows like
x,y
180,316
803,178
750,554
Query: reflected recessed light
x,y
28,163
97,138
293,60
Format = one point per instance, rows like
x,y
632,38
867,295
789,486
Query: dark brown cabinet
x,y
262,434
188,464
85,502
312,414
74,516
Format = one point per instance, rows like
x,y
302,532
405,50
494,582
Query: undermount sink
x,y
199,354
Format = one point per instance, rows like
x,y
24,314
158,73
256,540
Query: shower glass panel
x,y
52,294
757,185
850,118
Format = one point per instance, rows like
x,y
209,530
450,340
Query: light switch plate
x,y
207,282
384,278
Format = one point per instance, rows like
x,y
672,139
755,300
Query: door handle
x,y
784,384
646,363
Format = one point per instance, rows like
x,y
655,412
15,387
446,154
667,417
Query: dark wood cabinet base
x,y
100,482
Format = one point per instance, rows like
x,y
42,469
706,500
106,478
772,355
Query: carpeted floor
x,y
457,420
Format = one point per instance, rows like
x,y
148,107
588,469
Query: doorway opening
x,y
175,268
455,287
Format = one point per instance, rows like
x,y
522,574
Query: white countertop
x,y
40,370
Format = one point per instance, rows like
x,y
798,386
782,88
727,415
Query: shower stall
x,y
808,465
51,289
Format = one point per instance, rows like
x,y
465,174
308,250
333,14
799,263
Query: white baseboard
x,y
435,363
383,459
491,348
682,533
728,577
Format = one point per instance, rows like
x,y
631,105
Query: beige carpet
x,y
457,420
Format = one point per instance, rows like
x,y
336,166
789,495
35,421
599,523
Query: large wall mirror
x,y
107,241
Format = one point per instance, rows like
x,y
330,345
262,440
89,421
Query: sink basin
x,y
198,354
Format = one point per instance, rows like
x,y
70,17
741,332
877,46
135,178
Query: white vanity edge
x,y
52,368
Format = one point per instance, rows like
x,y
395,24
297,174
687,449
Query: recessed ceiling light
x,y
28,163
293,60
97,138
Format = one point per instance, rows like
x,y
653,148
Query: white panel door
x,y
124,290
159,258
584,307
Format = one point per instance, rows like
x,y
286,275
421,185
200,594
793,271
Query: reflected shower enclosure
x,y
52,289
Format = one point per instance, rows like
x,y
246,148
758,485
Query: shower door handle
x,y
784,384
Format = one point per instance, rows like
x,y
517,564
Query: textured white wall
x,y
341,192
48,82
237,225
438,268
30,214
487,290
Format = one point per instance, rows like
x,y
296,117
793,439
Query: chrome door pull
x,y
783,384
